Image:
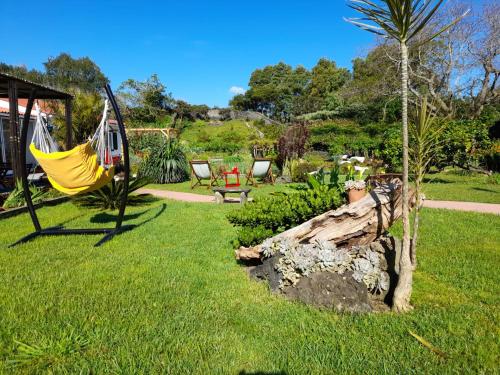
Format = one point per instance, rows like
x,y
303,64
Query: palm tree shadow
x,y
485,190
105,218
158,214
69,220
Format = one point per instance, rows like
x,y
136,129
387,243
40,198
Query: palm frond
x,y
402,20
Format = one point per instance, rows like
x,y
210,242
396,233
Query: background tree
x,y
326,80
68,73
401,20
145,101
375,85
87,112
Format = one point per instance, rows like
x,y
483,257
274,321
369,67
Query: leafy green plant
x,y
251,236
274,214
426,142
318,180
44,355
300,172
110,196
16,197
166,164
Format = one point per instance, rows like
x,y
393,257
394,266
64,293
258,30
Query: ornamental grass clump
x,y
165,164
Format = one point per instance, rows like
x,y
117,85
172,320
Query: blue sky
x,y
199,49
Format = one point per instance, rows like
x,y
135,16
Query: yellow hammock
x,y
75,171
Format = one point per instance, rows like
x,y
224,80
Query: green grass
x,y
168,297
262,189
192,133
461,186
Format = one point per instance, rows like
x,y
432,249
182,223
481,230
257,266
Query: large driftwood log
x,y
359,223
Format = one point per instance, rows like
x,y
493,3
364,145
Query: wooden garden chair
x,y
201,170
261,168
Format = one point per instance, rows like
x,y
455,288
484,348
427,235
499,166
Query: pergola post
x,y
68,104
14,129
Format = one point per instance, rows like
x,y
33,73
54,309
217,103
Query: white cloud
x,y
236,90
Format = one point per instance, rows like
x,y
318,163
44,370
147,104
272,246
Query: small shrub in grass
x,y
110,196
274,214
251,236
165,164
16,197
301,171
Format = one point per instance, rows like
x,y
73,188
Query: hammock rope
x,y
41,135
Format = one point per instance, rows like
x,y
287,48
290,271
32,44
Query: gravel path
x,y
487,208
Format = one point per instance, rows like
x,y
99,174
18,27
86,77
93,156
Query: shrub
x,y
166,164
110,196
391,150
466,144
292,144
300,171
251,236
274,214
145,143
16,197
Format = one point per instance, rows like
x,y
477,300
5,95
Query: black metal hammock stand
x,y
108,233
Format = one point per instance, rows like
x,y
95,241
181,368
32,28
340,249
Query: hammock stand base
x,y
109,233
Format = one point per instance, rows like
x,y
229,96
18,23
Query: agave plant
x,y
110,196
16,197
166,164
402,21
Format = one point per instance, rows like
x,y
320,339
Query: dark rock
x,y
331,290
266,271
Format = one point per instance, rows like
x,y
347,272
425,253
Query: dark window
x,y
115,141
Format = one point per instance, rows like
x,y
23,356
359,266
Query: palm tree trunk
x,y
402,293
416,222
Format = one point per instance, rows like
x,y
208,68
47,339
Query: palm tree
x,y
400,20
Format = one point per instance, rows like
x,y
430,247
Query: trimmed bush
x,y
274,214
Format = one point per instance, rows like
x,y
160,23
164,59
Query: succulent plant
x,y
301,260
352,184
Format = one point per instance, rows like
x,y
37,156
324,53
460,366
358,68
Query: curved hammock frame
x,y
109,233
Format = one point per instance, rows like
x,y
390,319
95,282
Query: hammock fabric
x,y
77,171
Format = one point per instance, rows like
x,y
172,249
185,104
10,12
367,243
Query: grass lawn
x,y
450,185
262,189
168,297
201,129
454,186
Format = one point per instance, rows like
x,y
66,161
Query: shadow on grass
x,y
436,180
485,190
104,217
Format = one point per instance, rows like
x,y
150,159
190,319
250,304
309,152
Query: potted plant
x,y
355,186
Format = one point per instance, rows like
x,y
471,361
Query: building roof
x,y
21,107
25,87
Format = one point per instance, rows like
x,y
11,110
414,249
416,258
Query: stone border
x,y
20,210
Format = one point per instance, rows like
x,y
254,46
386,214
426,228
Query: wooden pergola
x,y
15,88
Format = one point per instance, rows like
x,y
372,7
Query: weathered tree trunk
x,y
359,223
402,294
